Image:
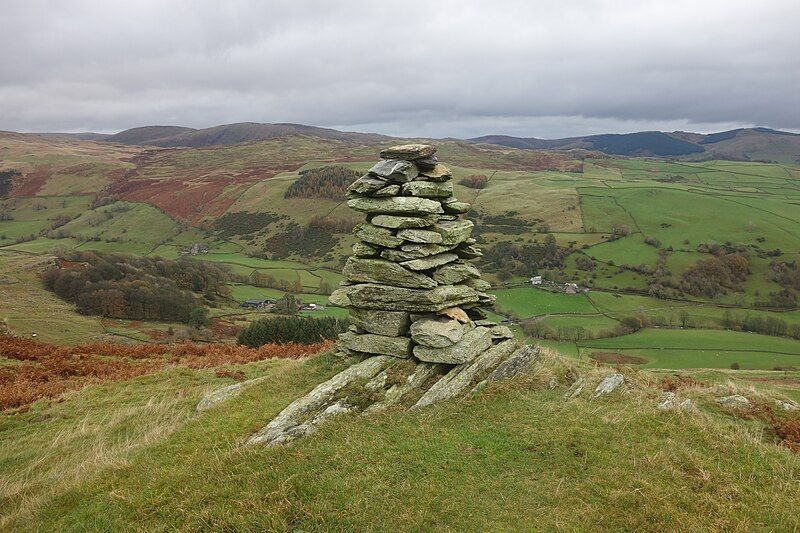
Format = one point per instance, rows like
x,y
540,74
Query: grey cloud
x,y
535,68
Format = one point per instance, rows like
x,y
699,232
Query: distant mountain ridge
x,y
227,134
741,144
82,136
653,142
744,144
148,134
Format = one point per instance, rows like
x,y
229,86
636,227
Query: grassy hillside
x,y
29,309
58,166
135,455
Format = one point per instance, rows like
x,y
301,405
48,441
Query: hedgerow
x,y
302,330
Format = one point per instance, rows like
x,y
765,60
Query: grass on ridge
x,y
515,457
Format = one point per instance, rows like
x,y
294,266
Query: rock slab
x,y
437,332
608,385
472,344
735,401
293,421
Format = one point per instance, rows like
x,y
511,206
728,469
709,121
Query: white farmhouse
x,y
571,288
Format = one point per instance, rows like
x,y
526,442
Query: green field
x,y
241,292
670,312
675,348
631,250
527,302
309,277
712,358
701,340
566,325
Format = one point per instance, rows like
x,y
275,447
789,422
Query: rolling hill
x,y
747,144
643,143
228,134
742,144
147,135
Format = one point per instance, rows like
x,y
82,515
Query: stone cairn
x,y
412,295
410,288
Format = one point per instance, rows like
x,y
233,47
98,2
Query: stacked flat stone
x,y
409,287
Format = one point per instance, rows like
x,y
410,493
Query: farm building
x,y
257,304
571,288
196,249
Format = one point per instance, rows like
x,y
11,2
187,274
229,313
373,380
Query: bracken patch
x,y
786,429
680,381
617,358
47,371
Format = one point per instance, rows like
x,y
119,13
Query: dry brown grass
x,y
680,382
785,429
48,371
617,358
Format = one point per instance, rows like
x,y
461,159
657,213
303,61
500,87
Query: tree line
x,y
765,325
325,182
508,259
7,178
138,288
286,329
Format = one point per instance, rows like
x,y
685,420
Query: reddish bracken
x,y
680,381
617,358
785,428
225,328
238,375
47,370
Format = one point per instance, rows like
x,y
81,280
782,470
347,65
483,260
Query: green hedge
x,y
303,330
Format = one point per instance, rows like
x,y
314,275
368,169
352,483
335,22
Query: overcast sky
x,y
539,68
